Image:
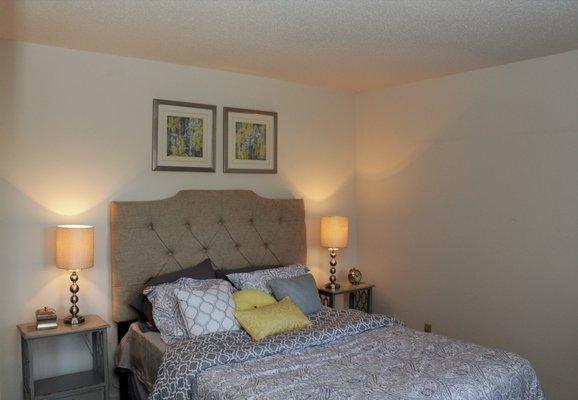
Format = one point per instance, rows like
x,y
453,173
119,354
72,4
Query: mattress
x,y
141,353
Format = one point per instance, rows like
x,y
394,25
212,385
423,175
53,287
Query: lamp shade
x,y
74,246
334,232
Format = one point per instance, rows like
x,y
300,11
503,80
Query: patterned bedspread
x,y
346,354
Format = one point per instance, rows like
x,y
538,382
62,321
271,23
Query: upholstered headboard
x,y
234,228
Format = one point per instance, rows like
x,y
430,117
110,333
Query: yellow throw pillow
x,y
249,299
280,317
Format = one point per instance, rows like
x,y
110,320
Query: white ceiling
x,y
341,44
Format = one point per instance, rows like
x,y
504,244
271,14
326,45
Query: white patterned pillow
x,y
258,279
166,312
207,310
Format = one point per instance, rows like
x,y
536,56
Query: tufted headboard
x,y
234,228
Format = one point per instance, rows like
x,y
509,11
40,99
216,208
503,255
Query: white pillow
x,y
258,279
166,312
207,310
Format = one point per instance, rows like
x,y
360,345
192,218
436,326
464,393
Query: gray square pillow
x,y
301,289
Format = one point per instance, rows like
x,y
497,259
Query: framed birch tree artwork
x,y
184,136
249,141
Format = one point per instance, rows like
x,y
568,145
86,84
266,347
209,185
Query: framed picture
x,y
249,141
184,136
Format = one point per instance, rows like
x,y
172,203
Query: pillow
x,y
258,279
207,310
301,289
141,304
248,299
222,273
166,313
280,317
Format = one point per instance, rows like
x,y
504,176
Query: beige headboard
x,y
234,228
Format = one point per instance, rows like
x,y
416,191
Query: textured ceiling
x,y
349,45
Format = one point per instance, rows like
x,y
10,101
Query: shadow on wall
x,y
29,277
60,163
467,204
8,70
323,192
396,145
30,280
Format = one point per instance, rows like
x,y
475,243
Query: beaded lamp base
x,y
332,279
74,318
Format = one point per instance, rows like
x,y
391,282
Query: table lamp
x,y
334,235
74,251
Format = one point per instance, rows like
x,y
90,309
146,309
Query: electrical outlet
x,y
427,327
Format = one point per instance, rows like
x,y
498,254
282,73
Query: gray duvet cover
x,y
345,355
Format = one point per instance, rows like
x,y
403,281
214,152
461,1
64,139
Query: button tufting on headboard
x,y
235,228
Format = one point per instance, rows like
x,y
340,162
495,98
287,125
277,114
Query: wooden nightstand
x,y
359,295
86,385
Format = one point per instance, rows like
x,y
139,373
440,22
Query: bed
x,y
344,354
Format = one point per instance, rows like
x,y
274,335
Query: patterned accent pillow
x,y
258,279
166,314
208,310
140,303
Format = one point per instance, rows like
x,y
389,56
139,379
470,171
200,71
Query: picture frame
x,y
184,136
249,141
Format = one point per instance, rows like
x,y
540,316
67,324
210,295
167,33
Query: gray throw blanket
x,y
345,354
184,360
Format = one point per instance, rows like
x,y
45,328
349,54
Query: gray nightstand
x,y
86,385
359,295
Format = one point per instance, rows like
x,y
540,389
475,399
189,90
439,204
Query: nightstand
x,y
359,295
85,385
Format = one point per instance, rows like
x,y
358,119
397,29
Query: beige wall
x,y
75,133
467,199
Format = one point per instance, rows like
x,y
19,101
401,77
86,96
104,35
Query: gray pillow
x,y
301,289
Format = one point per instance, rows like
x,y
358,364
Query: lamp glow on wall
x,y
74,251
334,236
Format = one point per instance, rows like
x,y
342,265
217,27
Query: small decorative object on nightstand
x,y
359,295
46,318
354,276
86,385
334,235
74,251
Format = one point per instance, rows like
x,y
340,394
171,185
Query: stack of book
x,y
46,318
